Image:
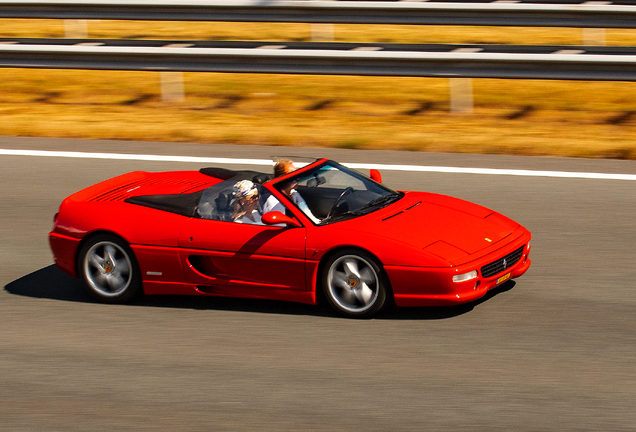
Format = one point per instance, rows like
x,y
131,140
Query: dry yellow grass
x,y
585,119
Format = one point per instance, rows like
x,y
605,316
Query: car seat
x,y
223,210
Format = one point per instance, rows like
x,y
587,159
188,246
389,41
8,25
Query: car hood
x,y
449,228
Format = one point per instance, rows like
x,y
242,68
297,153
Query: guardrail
x,y
573,65
588,14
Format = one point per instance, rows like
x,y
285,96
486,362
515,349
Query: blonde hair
x,y
238,206
243,190
283,166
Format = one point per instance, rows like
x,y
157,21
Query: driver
x,y
282,167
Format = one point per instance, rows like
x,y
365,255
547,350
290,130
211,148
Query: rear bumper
x,y
64,251
415,287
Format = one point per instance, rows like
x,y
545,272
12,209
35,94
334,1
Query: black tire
x,y
109,269
354,284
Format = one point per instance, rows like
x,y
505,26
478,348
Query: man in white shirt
x,y
282,167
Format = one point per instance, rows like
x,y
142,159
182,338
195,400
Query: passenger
x,y
282,167
245,203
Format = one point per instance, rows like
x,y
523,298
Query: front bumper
x,y
414,287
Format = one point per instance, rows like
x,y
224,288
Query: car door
x,y
230,255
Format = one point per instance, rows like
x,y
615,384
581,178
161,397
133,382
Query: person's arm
x,y
273,204
302,205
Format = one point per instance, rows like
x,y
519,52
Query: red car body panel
x,y
422,241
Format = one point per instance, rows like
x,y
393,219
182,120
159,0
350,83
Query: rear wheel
x,y
354,284
109,269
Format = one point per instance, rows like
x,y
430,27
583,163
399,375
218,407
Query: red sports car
x,y
321,231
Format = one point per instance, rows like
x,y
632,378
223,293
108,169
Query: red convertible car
x,y
339,235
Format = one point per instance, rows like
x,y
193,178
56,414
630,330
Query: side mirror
x,y
376,176
277,218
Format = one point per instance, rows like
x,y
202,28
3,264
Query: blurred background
x,y
519,117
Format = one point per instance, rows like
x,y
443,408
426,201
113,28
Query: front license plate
x,y
503,278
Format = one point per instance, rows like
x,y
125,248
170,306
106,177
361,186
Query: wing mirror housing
x,y
376,176
277,218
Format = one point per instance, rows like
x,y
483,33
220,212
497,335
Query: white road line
x,y
123,156
269,162
493,171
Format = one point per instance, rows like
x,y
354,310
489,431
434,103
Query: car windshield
x,y
331,192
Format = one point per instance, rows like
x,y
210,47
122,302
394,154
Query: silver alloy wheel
x,y
108,269
353,283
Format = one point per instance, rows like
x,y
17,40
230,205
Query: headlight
x,y
465,276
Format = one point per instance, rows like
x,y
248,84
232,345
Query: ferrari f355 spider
x,y
349,240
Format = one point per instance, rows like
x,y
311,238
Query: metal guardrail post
x,y
594,36
75,29
172,88
461,95
322,32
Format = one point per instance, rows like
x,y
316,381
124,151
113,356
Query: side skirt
x,y
172,288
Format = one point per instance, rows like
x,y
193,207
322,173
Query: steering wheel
x,y
340,199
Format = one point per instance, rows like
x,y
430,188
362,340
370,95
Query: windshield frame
x,y
370,187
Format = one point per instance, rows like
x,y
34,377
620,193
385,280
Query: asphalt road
x,y
555,350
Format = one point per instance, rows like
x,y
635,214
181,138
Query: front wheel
x,y
109,269
354,284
